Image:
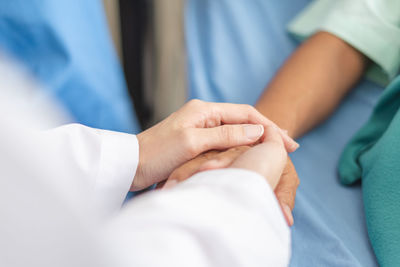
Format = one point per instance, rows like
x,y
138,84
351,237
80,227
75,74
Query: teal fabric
x,y
373,155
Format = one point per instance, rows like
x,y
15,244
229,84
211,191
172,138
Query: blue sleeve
x,y
65,44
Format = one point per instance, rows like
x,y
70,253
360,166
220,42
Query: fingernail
x,y
253,131
295,145
170,184
288,214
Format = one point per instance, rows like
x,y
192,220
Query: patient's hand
x,y
285,191
206,161
209,160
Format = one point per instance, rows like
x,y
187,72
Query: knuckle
x,y
249,107
286,192
293,174
297,181
189,143
194,103
178,175
252,111
227,133
174,175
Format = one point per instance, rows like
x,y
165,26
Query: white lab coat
x,y
61,193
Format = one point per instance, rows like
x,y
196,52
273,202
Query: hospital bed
x,y
234,48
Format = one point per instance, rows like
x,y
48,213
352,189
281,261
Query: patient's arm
x,y
310,85
305,91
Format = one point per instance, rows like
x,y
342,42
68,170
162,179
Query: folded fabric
x,y
373,155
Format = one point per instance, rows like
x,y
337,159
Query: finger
x,y
227,136
207,161
268,158
226,113
188,169
290,144
224,159
287,213
287,186
286,190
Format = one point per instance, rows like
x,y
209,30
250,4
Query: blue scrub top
x,y
65,44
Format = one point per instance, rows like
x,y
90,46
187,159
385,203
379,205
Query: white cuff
x,y
118,163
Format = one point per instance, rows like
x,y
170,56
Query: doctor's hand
x,y
267,158
195,128
285,191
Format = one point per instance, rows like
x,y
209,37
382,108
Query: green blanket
x,y
373,155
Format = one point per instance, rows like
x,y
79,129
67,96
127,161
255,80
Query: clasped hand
x,y
169,149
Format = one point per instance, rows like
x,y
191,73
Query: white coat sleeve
x,y
101,164
216,218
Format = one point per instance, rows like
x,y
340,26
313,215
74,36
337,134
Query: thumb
x,y
268,158
227,136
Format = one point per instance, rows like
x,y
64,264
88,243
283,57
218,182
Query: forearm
x,y
311,84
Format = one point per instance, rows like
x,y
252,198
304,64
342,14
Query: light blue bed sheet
x,y
234,49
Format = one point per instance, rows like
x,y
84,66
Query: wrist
x,y
283,117
139,178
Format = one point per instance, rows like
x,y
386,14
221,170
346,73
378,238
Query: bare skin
x,y
304,92
196,128
311,84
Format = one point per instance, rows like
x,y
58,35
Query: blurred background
x,y
149,38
